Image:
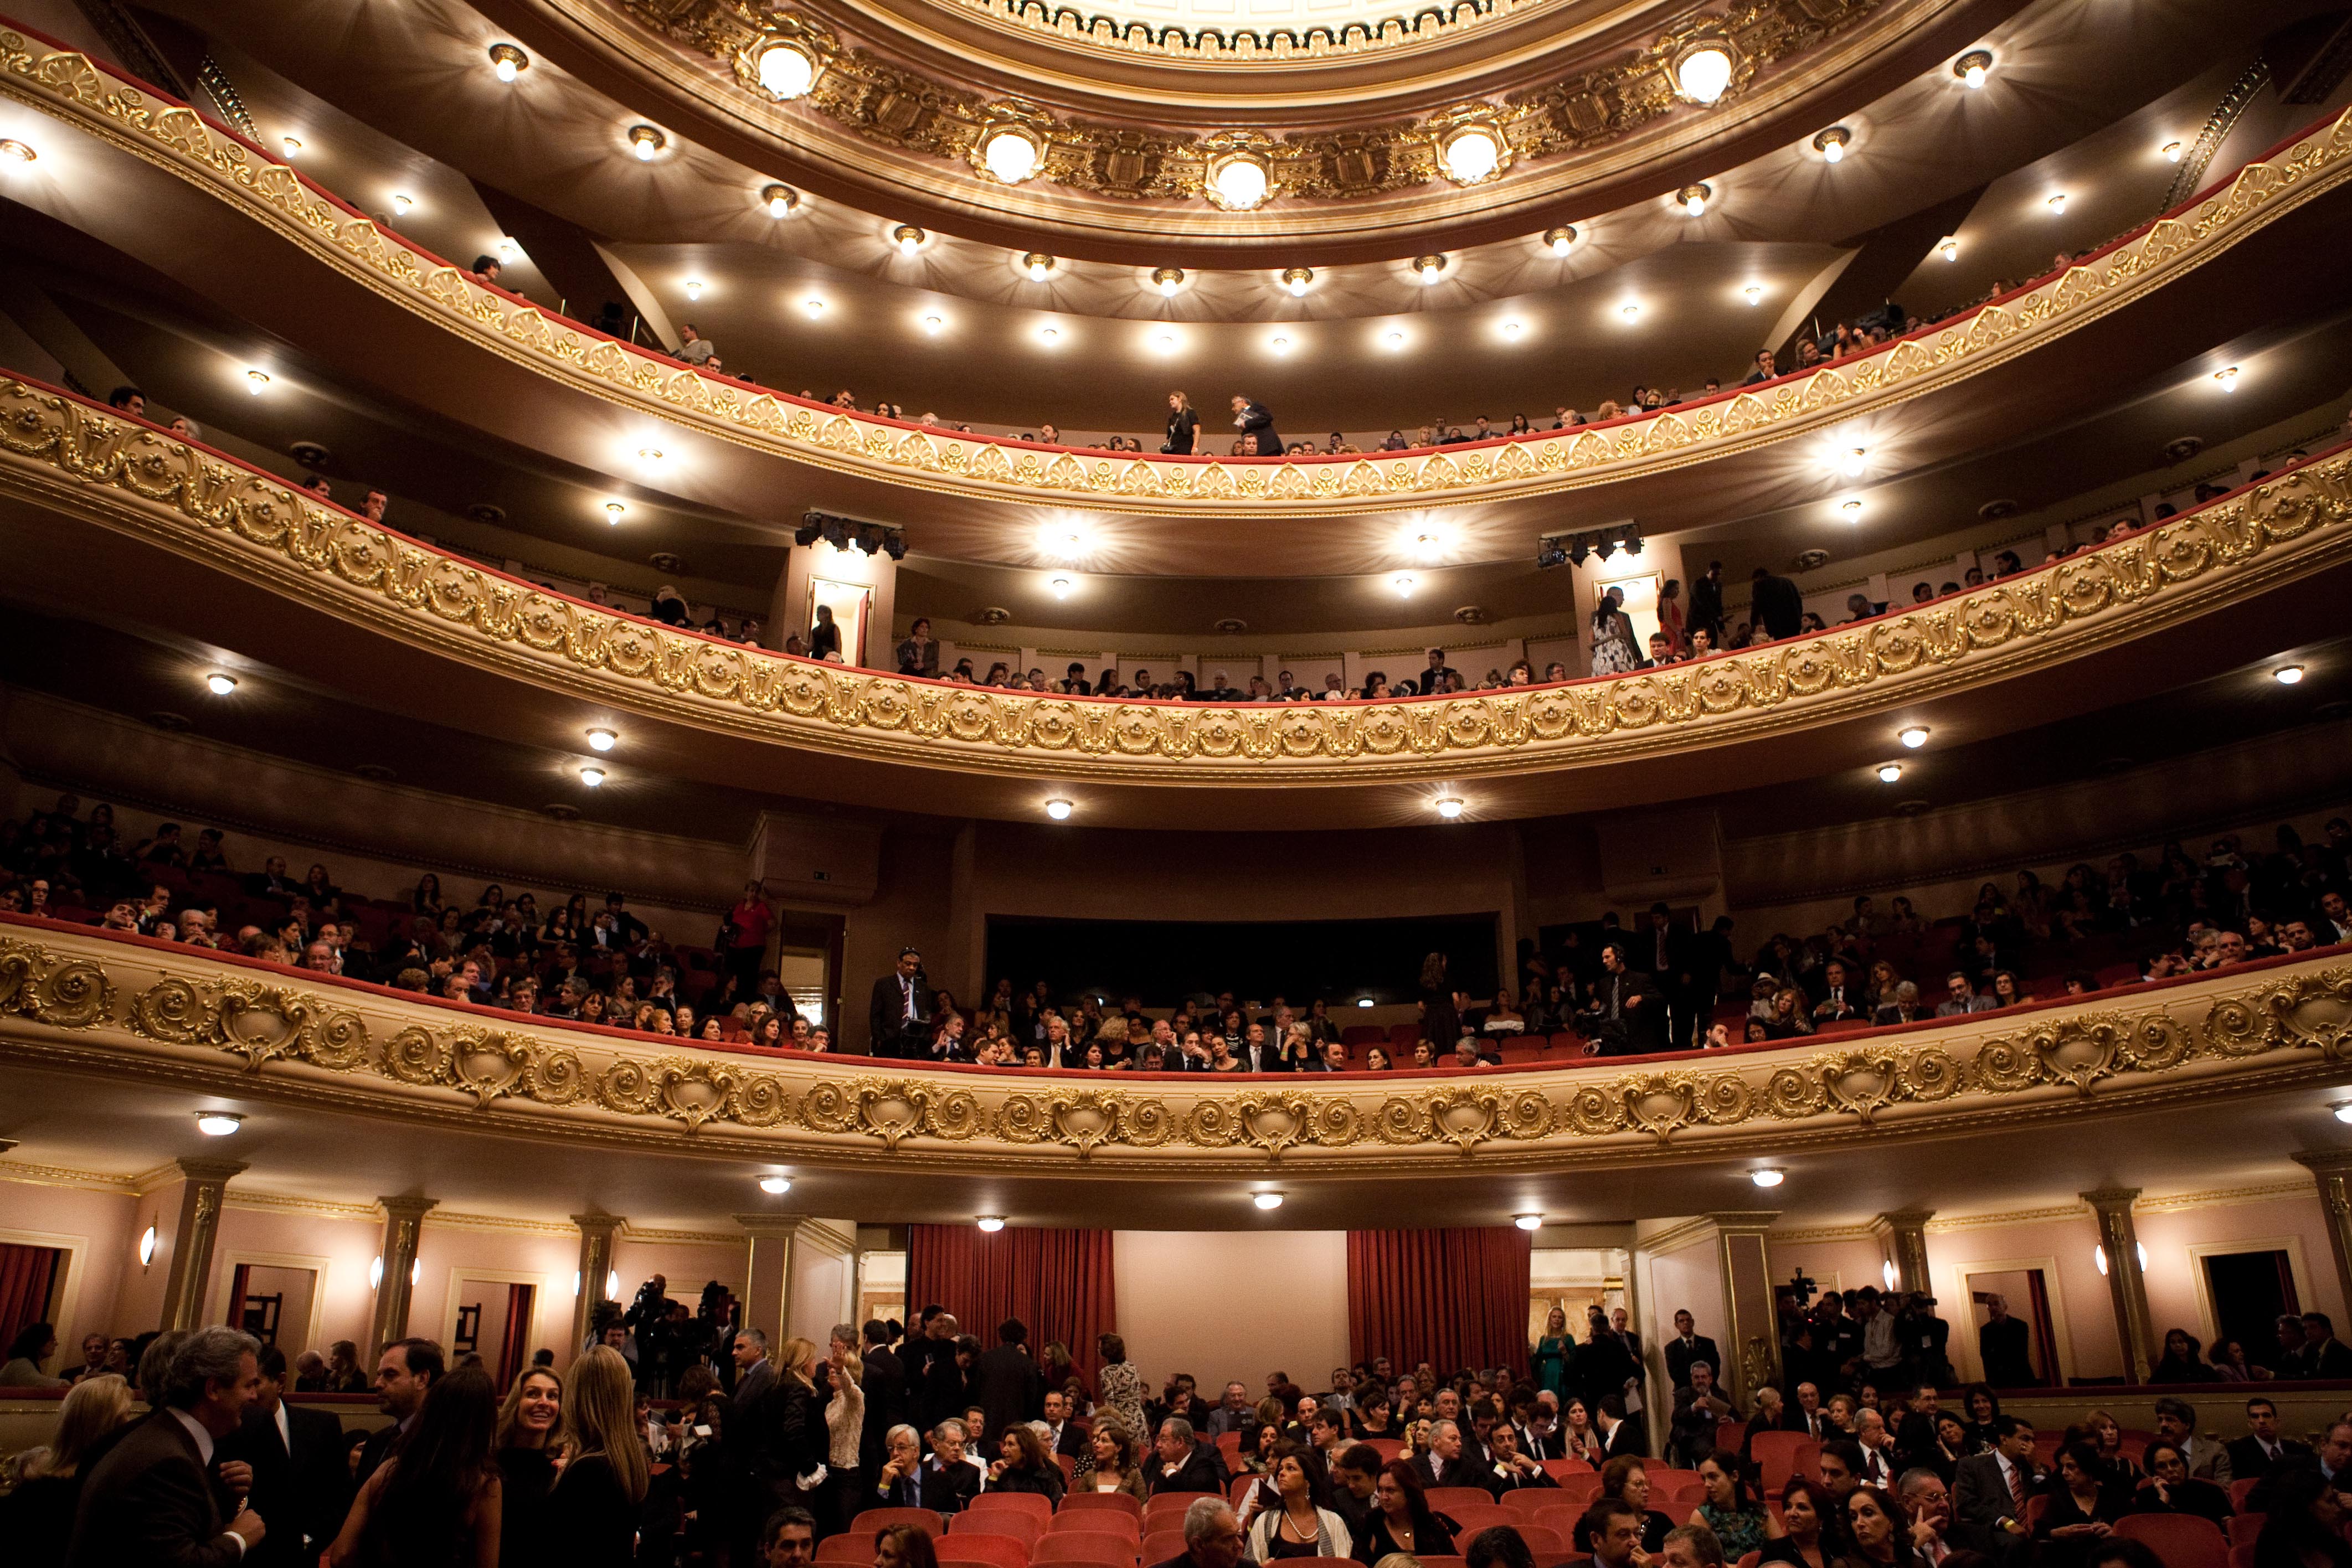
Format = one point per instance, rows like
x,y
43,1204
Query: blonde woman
x,y
1183,427
845,1423
39,1514
793,1414
530,1439
593,1516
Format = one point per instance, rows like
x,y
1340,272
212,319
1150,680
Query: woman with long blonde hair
x,y
1183,427
593,1515
530,1440
41,1511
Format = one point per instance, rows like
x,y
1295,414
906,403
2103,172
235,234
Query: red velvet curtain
x,y
1057,1283
1454,1298
25,1276
239,1283
512,1352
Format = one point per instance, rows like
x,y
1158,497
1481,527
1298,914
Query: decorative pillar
x,y
404,1221
1903,1232
2125,1283
596,1234
2333,1172
1752,1328
768,1281
191,1263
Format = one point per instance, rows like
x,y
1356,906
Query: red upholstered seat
x,y
1162,1544
1545,1544
875,1518
1027,1504
1116,1501
2245,1528
2240,1490
1525,1503
1019,1523
982,1550
1084,1546
2182,1540
1455,1500
1386,1447
1560,1469
855,1551
1095,1521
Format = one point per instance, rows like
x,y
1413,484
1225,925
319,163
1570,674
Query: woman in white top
x,y
1305,1525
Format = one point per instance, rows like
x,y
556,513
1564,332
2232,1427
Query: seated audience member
x,y
1813,1528
2080,1506
1301,1521
1401,1519
1927,1509
2168,1488
1212,1536
1627,1479
1608,1535
1183,1463
1881,1537
2303,1525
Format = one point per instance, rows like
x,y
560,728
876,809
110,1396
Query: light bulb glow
x,y
992,1223
1513,329
1402,583
147,1245
2172,151
1037,263
1704,73
1915,736
1240,182
1364,1001
2227,379
694,288
218,1124
1834,153
775,1186
2343,1111
1855,461
1280,345
507,247
1058,810
1769,1176
375,1273
1972,67
1888,772
256,382
1831,144
779,200
1060,584
415,1271
2057,203
1267,1200
649,454
1449,806
602,740
1428,267
404,204
786,70
1851,508
293,145
647,142
1754,294
1011,155
508,61
2287,674
1561,240
612,1285
816,307
1394,339
1694,199
592,776
1296,279
220,684
1948,248
613,512
907,238
1472,154
1630,312
1168,279
932,324
1528,1221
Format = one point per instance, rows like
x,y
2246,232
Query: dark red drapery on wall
x,y
1057,1283
1454,1298
512,1352
26,1275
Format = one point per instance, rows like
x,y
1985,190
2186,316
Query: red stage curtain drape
x,y
1454,1298
25,1274
512,1352
1057,1283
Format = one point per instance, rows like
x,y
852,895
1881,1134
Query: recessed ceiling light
x,y
602,740
1704,73
1168,279
649,454
221,684
507,247
1296,279
2057,203
1528,1221
1037,265
1948,247
1402,583
816,307
1059,810
1394,339
1855,461
786,70
1851,508
1364,1001
1694,199
1240,182
1514,329
907,238
1914,736
1449,806
1011,153
1061,584
1831,144
694,288
2343,1111
2227,379
1767,1177
2172,151
293,145
775,1184
1630,312
1165,339
1972,66
613,512
1561,240
1428,267
256,382
647,142
992,1223
218,1124
1754,294
508,61
592,776
1429,544
1888,772
779,200
932,324
1049,334
1280,345
403,205
1268,1199
2287,674
1470,154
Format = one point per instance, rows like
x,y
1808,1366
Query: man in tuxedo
x,y
402,1378
1870,1435
1442,1465
1775,602
1619,1436
898,1017
1629,1014
1507,1469
946,1481
1062,1434
1989,1491
1251,418
1539,1436
1182,1463
1807,1417
1687,1345
156,1499
300,1478
1259,1053
1006,1383
2264,1450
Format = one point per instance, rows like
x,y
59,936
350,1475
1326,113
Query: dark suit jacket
x,y
1628,1438
1257,421
1645,1026
1071,1441
2332,1359
373,1454
943,1488
302,1492
2247,1462
886,1015
1205,1472
1779,603
1678,1359
1981,1501
1007,1384
1459,1473
2004,1349
150,1504
885,1386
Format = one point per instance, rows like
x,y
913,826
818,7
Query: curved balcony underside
x,y
107,515
201,207
81,1004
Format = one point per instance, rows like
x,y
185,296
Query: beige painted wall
x,y
1228,1304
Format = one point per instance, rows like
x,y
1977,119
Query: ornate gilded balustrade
x,y
74,999
70,457
72,87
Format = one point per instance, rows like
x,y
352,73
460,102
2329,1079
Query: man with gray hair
x,y
1212,1536
1183,1463
1927,1509
154,1501
1442,1465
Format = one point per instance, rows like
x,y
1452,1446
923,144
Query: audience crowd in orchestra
x,y
678,1436
1659,985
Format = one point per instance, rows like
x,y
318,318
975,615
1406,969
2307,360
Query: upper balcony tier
x,y
155,182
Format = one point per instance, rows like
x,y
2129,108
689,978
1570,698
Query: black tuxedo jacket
x,y
151,1503
1644,1027
2247,1462
1679,1358
886,1015
302,1491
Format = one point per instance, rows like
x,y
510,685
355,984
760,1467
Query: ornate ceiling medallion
x,y
1470,144
783,59
1239,178
1012,143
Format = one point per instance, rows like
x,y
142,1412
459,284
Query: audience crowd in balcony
x,y
1606,989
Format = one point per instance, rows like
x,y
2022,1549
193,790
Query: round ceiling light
x,y
256,382
1561,240
787,70
1296,279
1168,279
775,1185
2287,674
1449,806
1856,459
1402,583
220,684
1239,182
1267,1200
1914,736
613,512
907,238
992,1223
646,141
1630,312
1428,267
2057,205
1528,1221
1694,199
592,776
1948,247
1394,339
1972,67
1851,508
1755,293
1769,1176
694,286
1705,72
1888,772
2171,151
1831,144
218,1124
1059,810
1061,584
20,152
1011,153
779,200
602,740
508,61
293,146
2343,1111
2226,379
1036,264
1472,154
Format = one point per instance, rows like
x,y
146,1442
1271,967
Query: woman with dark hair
x,y
1400,1520
1117,1467
1118,1386
1497,1546
1880,1529
1952,1444
2303,1525
1298,1520
1739,1520
1626,1478
2168,1488
1813,1529
436,1501
1982,1406
904,1546
2180,1362
1367,1415
1580,1440
1440,1018
1025,1466
2106,1435
2081,1506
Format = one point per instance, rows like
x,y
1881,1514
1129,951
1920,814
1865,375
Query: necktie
x,y
2017,1488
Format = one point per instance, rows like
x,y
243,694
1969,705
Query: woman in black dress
x,y
1183,427
593,1515
1400,1520
436,1503
1025,1466
526,1457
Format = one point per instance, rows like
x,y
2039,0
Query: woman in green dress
x,y
1550,1362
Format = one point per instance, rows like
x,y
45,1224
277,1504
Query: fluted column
x,y
596,1234
768,1289
191,1262
404,1223
2125,1284
2333,1172
1904,1231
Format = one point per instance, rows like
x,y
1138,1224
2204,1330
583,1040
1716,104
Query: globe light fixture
x,y
1888,772
907,238
592,776
1767,1177
1060,810
1561,240
1011,153
1449,806
1239,182
647,142
1914,736
775,1186
1037,265
779,200
218,1124
1948,247
1528,1221
1705,73
602,740
1168,280
1831,144
508,61
2227,379
1694,199
1296,279
1472,154
1428,267
613,512
219,683
256,382
1972,69
2288,674
991,1223
787,70
1267,1200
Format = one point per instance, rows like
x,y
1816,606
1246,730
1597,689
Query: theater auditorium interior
x,y
1162,783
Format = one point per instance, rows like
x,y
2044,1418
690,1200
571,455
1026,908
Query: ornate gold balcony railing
x,y
127,1009
171,136
73,458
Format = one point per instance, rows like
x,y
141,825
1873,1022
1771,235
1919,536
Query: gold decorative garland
x,y
176,1012
147,484
67,85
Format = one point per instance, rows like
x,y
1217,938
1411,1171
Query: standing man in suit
x,y
1442,1465
300,1478
1062,1434
755,1376
2005,1348
897,1018
1251,418
1629,1014
157,1499
1776,603
2265,1451
1007,1384
402,1378
1687,1345
1990,1492
885,1386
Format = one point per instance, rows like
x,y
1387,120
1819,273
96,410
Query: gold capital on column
x,y
2333,1173
404,1225
192,1240
596,1234
2125,1284
1904,1233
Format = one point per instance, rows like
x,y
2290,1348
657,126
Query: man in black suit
x,y
1699,1406
1182,1463
156,1499
897,1020
1629,1013
1620,1437
299,1478
1989,1493
1007,1384
946,1481
1507,1469
402,1378
884,1384
1687,1345
1251,418
2004,1348
755,1375
1776,603
2324,1355
1062,1434
1212,1536
1807,1416
1442,1464
2257,1456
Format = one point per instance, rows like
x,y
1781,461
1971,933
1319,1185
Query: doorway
x,y
2245,1294
2026,1360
